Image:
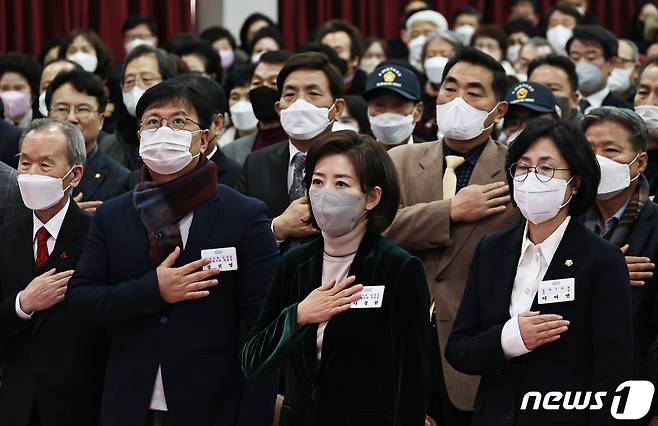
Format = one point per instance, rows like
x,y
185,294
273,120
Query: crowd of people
x,y
427,230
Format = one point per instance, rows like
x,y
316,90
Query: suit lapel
x,y
506,267
203,220
278,179
95,173
23,252
430,175
641,230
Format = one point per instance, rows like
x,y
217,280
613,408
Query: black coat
x,y
374,364
197,343
228,171
103,178
56,359
594,354
9,138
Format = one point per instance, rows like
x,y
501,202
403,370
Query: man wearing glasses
x,y
150,272
78,97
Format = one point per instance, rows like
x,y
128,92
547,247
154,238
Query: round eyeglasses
x,y
543,171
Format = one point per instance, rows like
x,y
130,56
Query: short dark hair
x,y
213,89
212,34
330,53
244,29
557,61
275,57
595,34
342,26
174,90
369,41
22,64
166,64
312,61
45,48
104,67
500,82
358,110
533,3
633,123
491,31
564,9
239,76
202,49
575,149
467,10
522,25
372,165
651,60
267,32
82,81
134,20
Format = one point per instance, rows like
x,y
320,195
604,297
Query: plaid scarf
x,y
160,207
619,234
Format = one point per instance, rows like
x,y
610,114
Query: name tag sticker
x,y
371,297
556,291
223,259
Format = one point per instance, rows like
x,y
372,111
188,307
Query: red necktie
x,y
42,246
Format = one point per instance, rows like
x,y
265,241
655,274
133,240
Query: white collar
x,y
411,139
596,99
293,151
54,225
549,246
213,152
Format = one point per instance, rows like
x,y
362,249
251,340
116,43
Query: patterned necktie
x,y
449,176
42,247
297,188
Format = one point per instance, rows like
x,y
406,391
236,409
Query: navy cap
x,y
534,96
396,78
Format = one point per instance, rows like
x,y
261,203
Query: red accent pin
x,y
64,256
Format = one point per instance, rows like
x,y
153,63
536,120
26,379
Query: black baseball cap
x,y
396,78
533,96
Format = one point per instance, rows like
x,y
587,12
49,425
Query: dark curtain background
x,y
25,24
381,18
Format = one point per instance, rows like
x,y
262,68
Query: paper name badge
x,y
223,259
556,291
371,297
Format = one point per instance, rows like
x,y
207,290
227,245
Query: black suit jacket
x,y
103,178
228,171
594,354
198,342
56,360
615,101
373,370
9,138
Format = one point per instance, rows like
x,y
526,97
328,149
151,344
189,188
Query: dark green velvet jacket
x,y
374,367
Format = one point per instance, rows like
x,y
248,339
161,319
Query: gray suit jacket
x,y
240,148
11,203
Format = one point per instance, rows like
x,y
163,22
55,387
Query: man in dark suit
x,y
53,363
78,97
274,174
9,136
625,216
10,198
176,330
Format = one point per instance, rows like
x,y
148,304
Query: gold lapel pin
x,y
97,176
568,262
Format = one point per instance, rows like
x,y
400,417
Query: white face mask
x,y
87,61
540,201
649,114
40,192
243,115
256,57
368,65
166,151
390,128
131,98
416,48
620,79
138,42
460,121
336,212
43,109
521,77
434,68
558,37
465,32
339,125
303,121
513,52
615,177
581,10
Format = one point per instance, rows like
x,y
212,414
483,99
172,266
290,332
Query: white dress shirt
x,y
530,271
596,99
158,400
53,226
213,152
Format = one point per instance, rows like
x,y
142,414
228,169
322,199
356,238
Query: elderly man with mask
x,y
150,273
646,106
54,363
419,26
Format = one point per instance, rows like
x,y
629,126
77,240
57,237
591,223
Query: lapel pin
x,y
97,175
63,256
568,262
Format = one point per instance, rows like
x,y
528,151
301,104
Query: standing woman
x,y
345,364
547,305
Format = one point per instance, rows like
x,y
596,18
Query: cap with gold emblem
x,y
396,78
533,96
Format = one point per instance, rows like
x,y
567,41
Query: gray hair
x,y
635,55
537,42
628,118
448,36
77,154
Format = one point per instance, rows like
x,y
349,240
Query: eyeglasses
x,y
148,81
83,111
175,123
543,171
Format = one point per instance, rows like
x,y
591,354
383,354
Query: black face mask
x,y
262,101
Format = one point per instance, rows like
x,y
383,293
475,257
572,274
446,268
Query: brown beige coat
x,y
423,226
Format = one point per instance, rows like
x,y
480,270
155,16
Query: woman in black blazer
x,y
347,365
547,305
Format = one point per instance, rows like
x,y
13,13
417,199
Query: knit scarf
x,y
160,207
639,198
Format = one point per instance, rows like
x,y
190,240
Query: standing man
x,y
10,198
452,193
646,106
53,363
176,328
